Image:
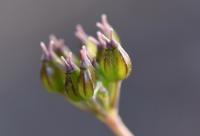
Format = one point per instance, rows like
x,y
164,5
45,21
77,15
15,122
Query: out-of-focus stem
x,y
116,125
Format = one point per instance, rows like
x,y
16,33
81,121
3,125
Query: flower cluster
x,y
92,79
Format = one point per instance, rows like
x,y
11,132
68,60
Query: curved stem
x,y
116,125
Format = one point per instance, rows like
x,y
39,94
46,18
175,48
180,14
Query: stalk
x,y
116,125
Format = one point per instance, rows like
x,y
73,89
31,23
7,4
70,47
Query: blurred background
x,y
160,98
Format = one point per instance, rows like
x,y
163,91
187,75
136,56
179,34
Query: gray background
x,y
160,98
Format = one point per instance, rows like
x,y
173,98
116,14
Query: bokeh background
x,y
160,98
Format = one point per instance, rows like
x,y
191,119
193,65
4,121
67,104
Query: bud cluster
x,y
87,78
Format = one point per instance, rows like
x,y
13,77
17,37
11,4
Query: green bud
x,y
114,60
91,47
87,78
72,74
89,41
51,75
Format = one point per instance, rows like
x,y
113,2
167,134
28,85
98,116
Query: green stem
x,y
115,89
111,117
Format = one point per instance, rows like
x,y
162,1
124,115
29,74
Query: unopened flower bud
x,y
114,61
89,41
58,48
72,74
51,75
87,78
105,28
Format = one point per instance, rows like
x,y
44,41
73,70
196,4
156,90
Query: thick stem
x,y
116,125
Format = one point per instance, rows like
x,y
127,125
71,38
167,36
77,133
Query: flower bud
x,y
72,74
87,78
51,75
114,61
57,48
105,28
89,41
